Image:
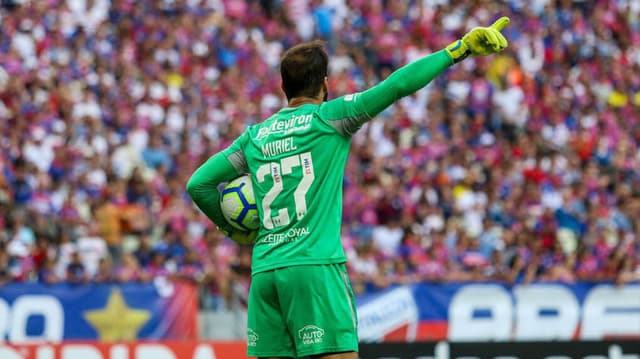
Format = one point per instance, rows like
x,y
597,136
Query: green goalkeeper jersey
x,y
296,161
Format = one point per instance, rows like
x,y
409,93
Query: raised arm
x,y
351,111
404,81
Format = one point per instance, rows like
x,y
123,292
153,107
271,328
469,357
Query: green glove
x,y
480,41
238,236
242,237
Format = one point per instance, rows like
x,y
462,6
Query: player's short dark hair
x,y
303,69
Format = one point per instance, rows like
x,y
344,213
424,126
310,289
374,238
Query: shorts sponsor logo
x,y
310,334
252,338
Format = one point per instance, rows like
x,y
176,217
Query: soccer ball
x,y
239,205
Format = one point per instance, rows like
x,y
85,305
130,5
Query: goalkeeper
x,y
300,301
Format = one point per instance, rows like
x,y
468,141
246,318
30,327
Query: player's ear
x,y
326,89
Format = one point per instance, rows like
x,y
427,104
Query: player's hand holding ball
x,y
237,235
480,41
242,237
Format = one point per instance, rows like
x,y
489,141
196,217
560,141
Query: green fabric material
x,y
405,81
300,311
296,161
203,188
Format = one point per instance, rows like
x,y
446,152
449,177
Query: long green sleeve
x,y
404,81
203,186
348,113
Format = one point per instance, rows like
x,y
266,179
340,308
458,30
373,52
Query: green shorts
x,y
300,311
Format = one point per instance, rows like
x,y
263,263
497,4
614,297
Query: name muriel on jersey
x,y
277,147
285,127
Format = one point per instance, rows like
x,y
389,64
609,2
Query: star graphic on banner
x,y
116,321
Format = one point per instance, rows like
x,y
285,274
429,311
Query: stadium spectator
x,y
47,273
520,167
76,272
129,270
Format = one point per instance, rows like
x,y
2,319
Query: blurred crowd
x,y
519,167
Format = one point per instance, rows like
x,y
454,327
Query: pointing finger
x,y
501,23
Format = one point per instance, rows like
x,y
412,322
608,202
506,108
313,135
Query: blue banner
x,y
118,312
495,311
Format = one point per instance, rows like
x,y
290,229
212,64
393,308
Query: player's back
x,y
296,159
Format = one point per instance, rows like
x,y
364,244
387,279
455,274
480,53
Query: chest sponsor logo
x,y
285,127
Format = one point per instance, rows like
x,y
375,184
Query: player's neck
x,y
303,100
